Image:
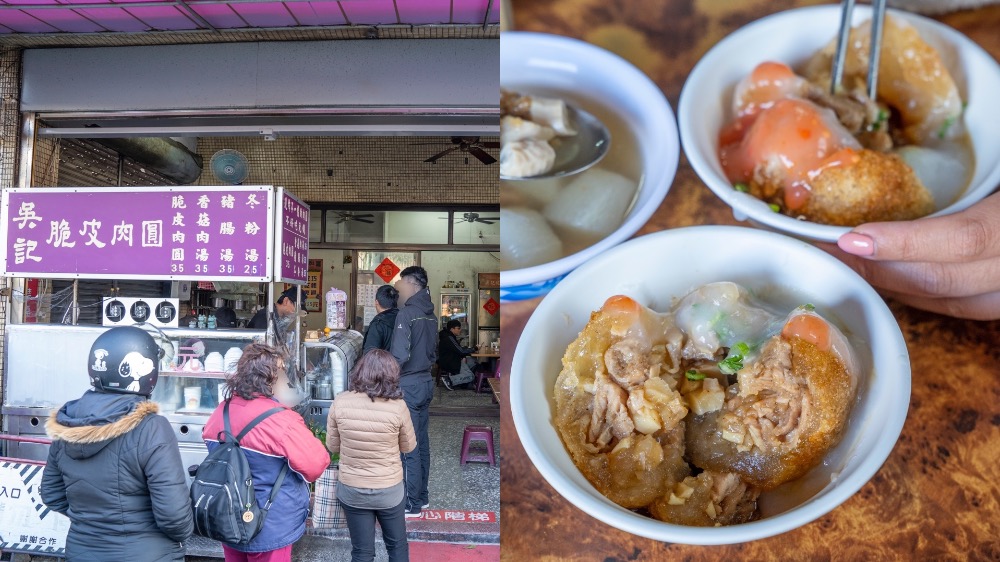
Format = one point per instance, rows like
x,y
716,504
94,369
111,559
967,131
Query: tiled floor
x,y
474,486
465,398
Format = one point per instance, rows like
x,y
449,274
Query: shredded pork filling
x,y
771,405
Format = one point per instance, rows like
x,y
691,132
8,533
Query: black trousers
x,y
361,524
418,390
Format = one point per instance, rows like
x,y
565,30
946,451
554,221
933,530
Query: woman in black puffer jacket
x,y
114,467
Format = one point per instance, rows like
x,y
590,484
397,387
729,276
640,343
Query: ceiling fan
x,y
471,145
346,216
474,217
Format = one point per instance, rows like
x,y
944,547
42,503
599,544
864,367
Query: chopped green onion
x,y
943,131
734,362
693,375
883,116
774,207
808,306
741,187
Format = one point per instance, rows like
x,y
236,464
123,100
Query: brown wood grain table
x,y
937,497
496,386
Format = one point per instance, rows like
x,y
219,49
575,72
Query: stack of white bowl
x,y
232,358
214,363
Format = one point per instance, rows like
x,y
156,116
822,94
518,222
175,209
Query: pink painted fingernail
x,y
857,244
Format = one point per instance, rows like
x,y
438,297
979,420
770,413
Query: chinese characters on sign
x,y
171,233
492,307
26,524
458,516
314,285
387,270
294,245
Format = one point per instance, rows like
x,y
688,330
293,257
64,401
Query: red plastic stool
x,y
478,433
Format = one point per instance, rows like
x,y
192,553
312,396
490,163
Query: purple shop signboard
x,y
195,233
292,243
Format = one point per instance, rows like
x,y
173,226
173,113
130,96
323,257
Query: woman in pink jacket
x,y
280,439
370,426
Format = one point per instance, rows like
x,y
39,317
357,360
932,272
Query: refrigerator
x,y
456,304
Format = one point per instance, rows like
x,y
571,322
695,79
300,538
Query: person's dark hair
x,y
256,372
225,317
377,375
290,295
453,324
417,274
386,296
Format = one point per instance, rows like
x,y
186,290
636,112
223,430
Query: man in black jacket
x,y
379,334
414,345
450,355
114,467
284,308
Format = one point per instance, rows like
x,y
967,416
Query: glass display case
x,y
194,368
327,364
456,305
37,381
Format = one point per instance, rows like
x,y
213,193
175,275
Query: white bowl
x,y
781,269
792,37
550,62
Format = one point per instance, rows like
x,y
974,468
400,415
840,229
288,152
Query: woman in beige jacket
x,y
370,426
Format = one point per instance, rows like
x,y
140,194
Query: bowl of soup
x,y
550,227
762,128
639,456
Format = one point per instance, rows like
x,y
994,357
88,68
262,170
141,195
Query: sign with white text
x,y
292,243
128,233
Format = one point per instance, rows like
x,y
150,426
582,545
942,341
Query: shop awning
x,y
433,87
131,16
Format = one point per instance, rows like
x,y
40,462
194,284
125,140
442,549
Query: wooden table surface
x,y
496,385
938,495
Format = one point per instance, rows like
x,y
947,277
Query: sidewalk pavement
x,y
312,548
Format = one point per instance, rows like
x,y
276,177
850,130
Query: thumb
x,y
969,235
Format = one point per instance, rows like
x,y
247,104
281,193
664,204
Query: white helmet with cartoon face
x,y
124,360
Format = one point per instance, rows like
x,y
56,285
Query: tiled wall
x,y
362,169
377,170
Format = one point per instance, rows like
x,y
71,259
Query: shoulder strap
x,y
250,425
275,488
225,419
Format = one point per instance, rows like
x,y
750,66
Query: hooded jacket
x,y
379,334
280,439
115,470
414,339
450,352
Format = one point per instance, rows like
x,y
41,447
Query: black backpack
x,y
222,494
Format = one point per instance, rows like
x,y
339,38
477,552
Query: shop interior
x,y
457,243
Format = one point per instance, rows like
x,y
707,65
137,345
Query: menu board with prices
x,y
292,242
156,233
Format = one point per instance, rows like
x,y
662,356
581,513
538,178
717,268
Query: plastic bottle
x,y
336,309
